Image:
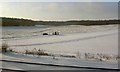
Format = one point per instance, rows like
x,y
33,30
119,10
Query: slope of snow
x,y
60,61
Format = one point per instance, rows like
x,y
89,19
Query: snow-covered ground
x,y
37,31
72,40
31,59
90,42
58,61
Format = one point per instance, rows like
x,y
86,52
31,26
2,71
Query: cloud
x,y
0,9
53,7
61,10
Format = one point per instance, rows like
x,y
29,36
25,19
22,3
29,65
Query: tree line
x,y
27,22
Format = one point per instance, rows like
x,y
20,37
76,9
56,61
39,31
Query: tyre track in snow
x,y
67,41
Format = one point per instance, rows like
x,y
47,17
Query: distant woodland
x,y
26,22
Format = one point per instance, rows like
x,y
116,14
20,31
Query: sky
x,y
59,11
59,0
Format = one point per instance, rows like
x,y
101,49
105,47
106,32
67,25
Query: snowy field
x,y
73,40
96,39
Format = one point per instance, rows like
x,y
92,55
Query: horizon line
x,y
59,20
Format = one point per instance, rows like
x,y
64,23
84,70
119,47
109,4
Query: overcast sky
x,y
60,10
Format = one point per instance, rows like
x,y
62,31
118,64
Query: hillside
x,y
27,22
